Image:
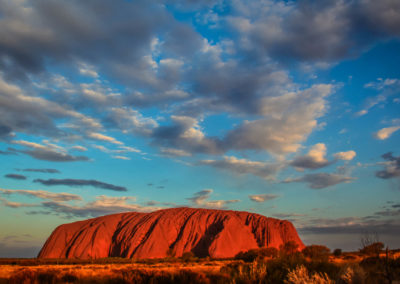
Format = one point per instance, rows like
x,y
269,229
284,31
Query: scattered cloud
x,y
15,176
47,152
350,225
102,205
200,199
185,134
20,112
13,204
56,204
386,88
346,156
386,132
81,182
321,180
48,171
116,153
290,118
121,158
288,215
102,137
79,148
312,31
59,197
170,152
244,166
392,167
314,159
262,197
361,112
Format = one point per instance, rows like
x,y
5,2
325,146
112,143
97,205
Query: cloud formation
x,y
386,132
49,152
313,31
314,159
200,199
290,118
392,167
15,176
321,180
244,166
81,182
20,112
42,194
386,88
13,204
346,156
262,197
350,225
102,137
102,205
47,171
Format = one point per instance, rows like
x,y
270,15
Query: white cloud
x,y
121,158
361,112
63,196
174,152
244,166
386,132
290,118
102,137
48,152
87,70
346,156
314,159
201,199
79,148
262,197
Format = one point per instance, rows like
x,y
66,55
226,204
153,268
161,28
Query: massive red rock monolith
x,y
169,232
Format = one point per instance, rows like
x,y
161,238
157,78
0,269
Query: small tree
x,y
254,254
337,252
289,248
316,252
373,249
188,256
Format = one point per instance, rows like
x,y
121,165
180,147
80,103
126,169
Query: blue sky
x,y
290,109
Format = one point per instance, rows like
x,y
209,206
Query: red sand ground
x,y
169,232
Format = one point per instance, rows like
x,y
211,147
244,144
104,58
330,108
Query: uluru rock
x,y
169,232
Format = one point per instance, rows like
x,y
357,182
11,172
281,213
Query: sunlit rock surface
x,y
169,232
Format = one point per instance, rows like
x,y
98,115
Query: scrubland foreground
x,y
315,264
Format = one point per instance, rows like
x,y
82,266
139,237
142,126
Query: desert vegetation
x,y
314,264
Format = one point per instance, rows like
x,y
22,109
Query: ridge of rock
x,y
168,232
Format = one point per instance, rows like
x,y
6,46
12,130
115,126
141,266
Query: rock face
x,y
169,232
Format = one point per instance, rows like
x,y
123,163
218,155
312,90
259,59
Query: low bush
x,y
260,253
316,252
373,249
337,252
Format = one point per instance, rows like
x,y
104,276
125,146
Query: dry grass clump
x,y
352,274
300,275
